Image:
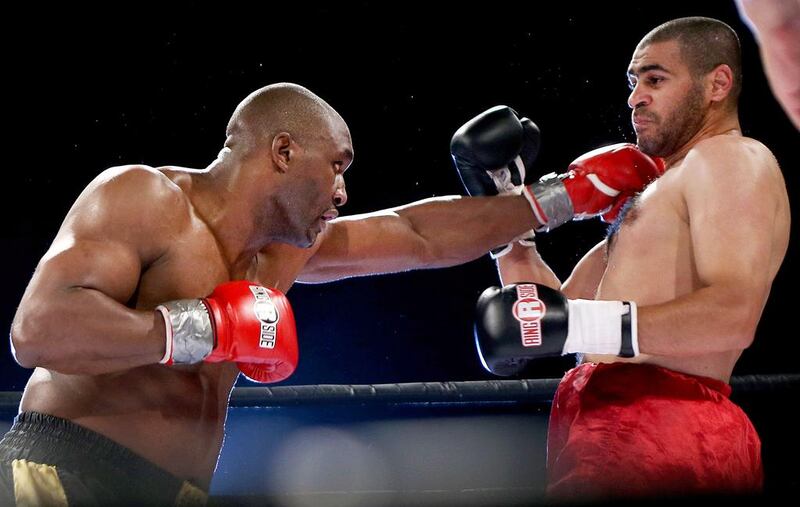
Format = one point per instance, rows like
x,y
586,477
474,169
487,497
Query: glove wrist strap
x,y
190,334
602,327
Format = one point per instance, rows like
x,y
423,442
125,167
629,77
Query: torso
x,y
173,416
650,261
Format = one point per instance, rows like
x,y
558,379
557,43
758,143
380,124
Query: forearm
x,y
524,264
709,320
455,230
83,331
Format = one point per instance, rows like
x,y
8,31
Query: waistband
x,y
48,439
641,378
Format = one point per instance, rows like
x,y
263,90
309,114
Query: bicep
x,y
732,215
110,267
108,237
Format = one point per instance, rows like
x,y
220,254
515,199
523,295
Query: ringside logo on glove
x,y
529,310
267,313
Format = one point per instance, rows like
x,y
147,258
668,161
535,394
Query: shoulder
x,y
136,191
730,156
146,182
736,170
134,204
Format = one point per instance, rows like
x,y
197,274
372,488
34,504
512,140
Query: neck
x,y
726,124
219,197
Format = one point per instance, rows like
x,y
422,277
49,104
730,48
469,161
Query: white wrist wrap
x,y
602,327
167,359
505,186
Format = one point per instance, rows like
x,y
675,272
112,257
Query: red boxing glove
x,y
240,321
597,179
596,183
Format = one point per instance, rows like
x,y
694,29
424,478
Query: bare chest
x,y
650,251
192,268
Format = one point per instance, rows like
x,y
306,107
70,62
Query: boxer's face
x,y
319,186
668,102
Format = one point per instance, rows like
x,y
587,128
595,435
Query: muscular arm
x,y
776,26
432,233
738,233
72,317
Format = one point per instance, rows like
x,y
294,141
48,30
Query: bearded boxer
x,y
661,310
164,283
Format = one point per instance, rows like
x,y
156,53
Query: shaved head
x,y
280,107
705,43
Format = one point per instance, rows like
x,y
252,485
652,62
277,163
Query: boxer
x,y
163,284
660,311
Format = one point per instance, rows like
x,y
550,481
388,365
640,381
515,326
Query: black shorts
x,y
46,460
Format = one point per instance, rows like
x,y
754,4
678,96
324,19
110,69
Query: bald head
x,y
280,107
705,43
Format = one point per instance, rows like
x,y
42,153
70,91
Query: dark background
x,y
93,89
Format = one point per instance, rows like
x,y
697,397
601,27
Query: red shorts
x,y
623,429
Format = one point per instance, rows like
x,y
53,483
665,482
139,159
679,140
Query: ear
x,y
721,79
282,150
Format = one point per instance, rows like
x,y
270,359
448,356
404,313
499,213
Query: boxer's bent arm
x,y
587,274
72,317
524,264
431,233
732,197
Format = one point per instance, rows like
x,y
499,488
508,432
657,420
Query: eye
x,y
631,84
337,166
654,80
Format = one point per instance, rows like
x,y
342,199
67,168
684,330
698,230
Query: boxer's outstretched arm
x,y
431,233
72,316
739,226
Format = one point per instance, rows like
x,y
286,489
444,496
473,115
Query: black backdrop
x,y
93,89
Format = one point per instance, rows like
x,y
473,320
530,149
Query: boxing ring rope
x,y
537,391
416,443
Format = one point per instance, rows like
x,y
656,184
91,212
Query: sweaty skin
x,y
138,236
700,246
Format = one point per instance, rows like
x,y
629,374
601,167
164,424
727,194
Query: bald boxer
x,y
661,310
164,283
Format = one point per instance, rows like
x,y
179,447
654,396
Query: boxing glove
x,y
239,321
595,184
525,321
492,153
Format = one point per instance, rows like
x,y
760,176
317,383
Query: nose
x,y
638,97
340,193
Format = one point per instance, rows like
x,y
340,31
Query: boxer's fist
x,y
597,179
492,151
240,321
526,321
595,184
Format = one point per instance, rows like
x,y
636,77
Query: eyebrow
x,y
646,68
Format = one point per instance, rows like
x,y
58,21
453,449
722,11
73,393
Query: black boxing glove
x,y
491,153
526,321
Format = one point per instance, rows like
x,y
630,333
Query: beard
x,y
669,134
